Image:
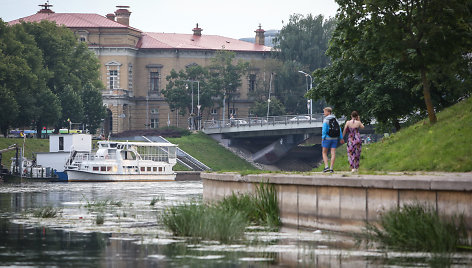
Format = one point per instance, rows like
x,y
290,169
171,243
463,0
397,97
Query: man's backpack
x,y
333,130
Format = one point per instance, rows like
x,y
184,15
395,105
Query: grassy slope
x,y
31,146
445,146
211,153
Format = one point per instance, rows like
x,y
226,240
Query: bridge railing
x,y
263,121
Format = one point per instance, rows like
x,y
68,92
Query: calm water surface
x,y
132,236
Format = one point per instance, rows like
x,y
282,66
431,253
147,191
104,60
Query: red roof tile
x,y
74,20
190,41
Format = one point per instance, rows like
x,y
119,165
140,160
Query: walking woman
x,y
354,141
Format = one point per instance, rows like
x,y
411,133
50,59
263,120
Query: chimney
x,y
260,38
122,15
197,31
111,16
46,8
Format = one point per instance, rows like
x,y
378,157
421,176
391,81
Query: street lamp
x,y
310,101
268,100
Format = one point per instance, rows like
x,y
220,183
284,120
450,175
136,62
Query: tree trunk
x,y
427,97
39,129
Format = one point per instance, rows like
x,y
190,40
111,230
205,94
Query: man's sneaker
x,y
331,171
326,169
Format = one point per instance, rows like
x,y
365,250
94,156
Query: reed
x,y
200,221
47,212
417,227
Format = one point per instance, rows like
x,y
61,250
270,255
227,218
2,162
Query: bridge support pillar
x,y
276,150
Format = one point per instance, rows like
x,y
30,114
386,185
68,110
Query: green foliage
x,y
178,92
209,152
276,108
301,45
428,40
100,219
261,208
45,70
47,212
200,221
226,220
418,227
8,110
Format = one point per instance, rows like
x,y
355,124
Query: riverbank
x,y
345,201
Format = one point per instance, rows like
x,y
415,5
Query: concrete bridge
x,y
268,138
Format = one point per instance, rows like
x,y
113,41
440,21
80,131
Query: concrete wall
x,y
344,202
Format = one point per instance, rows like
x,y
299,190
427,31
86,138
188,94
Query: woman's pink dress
x,y
354,146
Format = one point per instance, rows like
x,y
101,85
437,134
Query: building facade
x,y
134,65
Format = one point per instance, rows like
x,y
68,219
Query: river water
x,y
132,236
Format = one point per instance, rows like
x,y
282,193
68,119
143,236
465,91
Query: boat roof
x,y
143,144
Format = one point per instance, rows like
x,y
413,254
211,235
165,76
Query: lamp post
x,y
268,100
198,99
309,101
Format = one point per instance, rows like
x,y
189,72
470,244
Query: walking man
x,y
330,134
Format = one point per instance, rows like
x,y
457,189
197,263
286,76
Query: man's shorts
x,y
329,143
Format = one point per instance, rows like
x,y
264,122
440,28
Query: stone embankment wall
x,y
345,202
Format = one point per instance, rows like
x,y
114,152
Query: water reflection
x,y
131,235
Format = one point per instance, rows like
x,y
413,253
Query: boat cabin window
x,y
160,168
113,145
148,168
61,143
103,168
95,168
128,155
143,169
154,169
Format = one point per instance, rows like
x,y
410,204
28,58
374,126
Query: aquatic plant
x,y
101,205
156,199
200,221
47,212
226,220
100,219
418,227
259,208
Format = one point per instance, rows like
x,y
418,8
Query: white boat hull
x,y
81,176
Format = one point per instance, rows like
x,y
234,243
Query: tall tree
x,y
301,45
94,111
423,36
178,92
224,76
8,110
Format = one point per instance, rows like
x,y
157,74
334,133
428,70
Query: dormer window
x,y
82,35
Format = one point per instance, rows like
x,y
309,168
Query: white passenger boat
x,y
124,161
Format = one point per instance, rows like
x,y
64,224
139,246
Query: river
x,y
132,236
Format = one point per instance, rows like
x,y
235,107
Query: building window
x,y
154,123
61,143
130,76
213,111
233,111
154,82
113,78
252,82
155,111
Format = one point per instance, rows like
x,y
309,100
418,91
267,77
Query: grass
x,y
417,227
444,146
47,212
211,153
226,220
31,146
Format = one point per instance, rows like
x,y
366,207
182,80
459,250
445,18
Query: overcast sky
x,y
236,19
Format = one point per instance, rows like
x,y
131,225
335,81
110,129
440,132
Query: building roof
x,y
73,20
148,40
190,41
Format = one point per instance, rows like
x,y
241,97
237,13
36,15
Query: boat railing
x,y
91,157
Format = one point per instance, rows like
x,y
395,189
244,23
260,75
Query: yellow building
x,y
134,65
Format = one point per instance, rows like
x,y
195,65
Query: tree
x,y
301,45
224,77
8,110
178,92
305,40
94,111
275,108
423,36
